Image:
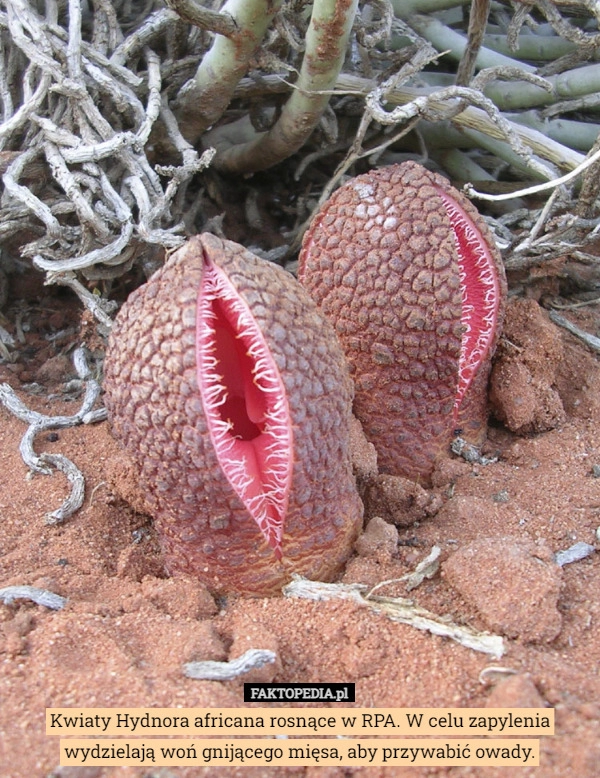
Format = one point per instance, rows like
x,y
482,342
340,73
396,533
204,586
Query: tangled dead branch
x,y
95,100
38,422
85,122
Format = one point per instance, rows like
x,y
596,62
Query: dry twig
x,y
397,609
38,422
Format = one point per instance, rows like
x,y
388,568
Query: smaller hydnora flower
x,y
407,272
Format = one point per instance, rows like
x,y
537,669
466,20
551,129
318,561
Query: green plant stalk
x,y
202,101
579,136
512,95
443,136
576,135
515,95
326,42
500,148
540,48
403,9
443,38
463,168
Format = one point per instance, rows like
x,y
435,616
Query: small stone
x,y
513,583
180,597
516,691
462,513
139,560
363,454
523,392
398,500
121,478
54,370
378,536
448,471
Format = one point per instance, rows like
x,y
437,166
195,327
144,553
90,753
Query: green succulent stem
x,y
326,41
204,98
443,38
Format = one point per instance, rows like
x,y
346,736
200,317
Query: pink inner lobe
x,y
244,402
480,291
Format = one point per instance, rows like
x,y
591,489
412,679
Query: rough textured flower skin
x,y
381,261
155,410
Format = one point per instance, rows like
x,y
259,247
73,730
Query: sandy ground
x,y
126,630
